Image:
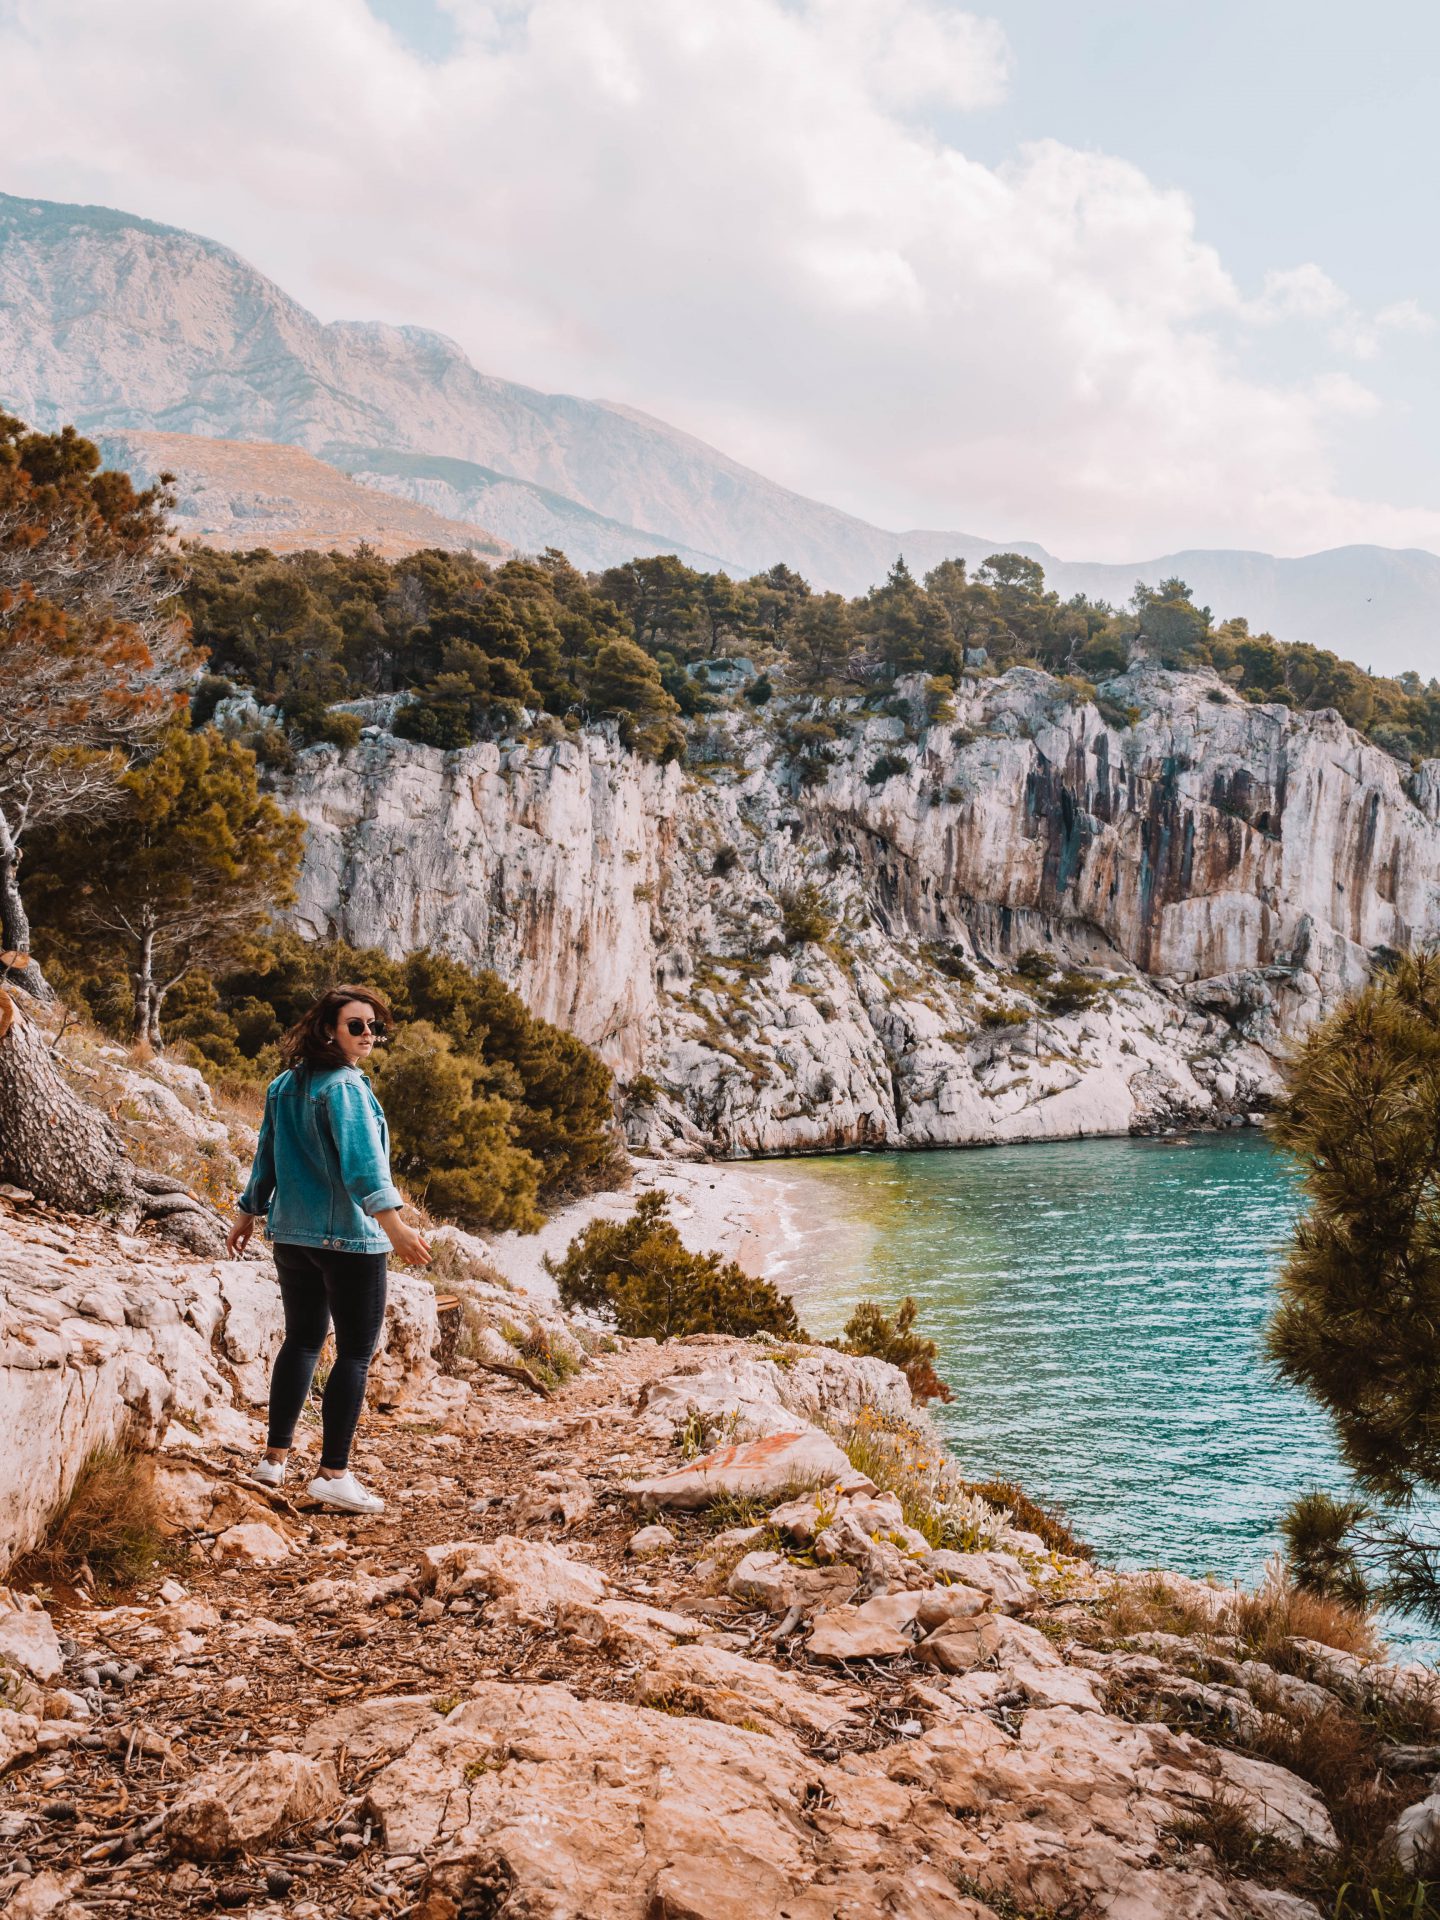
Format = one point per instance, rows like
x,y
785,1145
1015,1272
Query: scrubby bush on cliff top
x,y
479,643
639,1273
870,1330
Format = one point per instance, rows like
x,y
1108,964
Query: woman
x,y
322,1174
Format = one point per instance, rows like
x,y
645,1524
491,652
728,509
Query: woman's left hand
x,y
238,1237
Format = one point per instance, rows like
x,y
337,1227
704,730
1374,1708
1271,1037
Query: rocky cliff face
x,y
1220,873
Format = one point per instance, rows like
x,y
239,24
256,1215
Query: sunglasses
x,y
357,1027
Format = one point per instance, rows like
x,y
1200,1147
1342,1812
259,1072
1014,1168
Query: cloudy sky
x,y
1120,276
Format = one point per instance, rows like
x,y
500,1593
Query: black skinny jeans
x,y
318,1285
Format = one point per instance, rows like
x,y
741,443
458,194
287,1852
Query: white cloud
x,y
734,214
1307,293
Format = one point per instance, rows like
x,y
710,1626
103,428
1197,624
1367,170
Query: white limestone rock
x,y
28,1639
526,1580
244,1803
753,1468
1227,868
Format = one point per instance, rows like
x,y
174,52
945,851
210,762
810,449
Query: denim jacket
x,y
322,1167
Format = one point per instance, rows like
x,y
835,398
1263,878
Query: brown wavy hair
x,y
307,1044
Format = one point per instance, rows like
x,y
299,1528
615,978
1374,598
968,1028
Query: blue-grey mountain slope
x,y
117,323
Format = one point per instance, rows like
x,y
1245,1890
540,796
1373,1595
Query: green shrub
x,y
1035,964
886,768
870,1331
1005,1017
307,715
452,1140
639,1273
939,699
435,723
950,961
805,917
1071,993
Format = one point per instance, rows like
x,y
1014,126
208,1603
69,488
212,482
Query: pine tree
x,y
94,655
625,681
190,869
1358,1325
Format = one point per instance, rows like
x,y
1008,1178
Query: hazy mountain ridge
x,y
120,323
533,517
240,494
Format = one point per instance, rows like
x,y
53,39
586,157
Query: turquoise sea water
x,y
1098,1306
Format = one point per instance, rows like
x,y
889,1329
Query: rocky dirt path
x,y
242,1659
518,1696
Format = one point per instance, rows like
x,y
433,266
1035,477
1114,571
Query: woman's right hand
x,y
238,1237
406,1242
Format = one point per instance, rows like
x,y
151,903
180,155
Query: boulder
x,y
27,1637
554,1498
957,1644
195,1501
254,1542
753,1396
46,1896
247,1802
653,1539
939,1605
762,1469
737,1886
727,1686
18,1737
770,1580
352,1595
1414,1839
372,1730
528,1580
844,1633
1000,1575
628,1630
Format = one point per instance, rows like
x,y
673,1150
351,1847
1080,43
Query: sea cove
x,y
1098,1306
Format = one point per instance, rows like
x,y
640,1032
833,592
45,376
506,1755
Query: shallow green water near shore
x,y
1098,1306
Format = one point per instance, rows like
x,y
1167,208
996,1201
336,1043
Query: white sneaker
x,y
270,1473
346,1492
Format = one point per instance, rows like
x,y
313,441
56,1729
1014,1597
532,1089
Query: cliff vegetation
x,y
479,644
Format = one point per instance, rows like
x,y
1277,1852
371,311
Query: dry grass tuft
x,y
1276,1613
1151,1604
1265,1621
1222,1825
903,1459
110,1523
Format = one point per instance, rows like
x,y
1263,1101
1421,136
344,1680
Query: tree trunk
x,y
143,1009
70,1155
14,921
